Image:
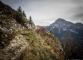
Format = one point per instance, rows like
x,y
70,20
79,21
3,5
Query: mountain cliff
x,y
20,39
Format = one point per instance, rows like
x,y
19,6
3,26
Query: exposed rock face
x,y
30,26
8,30
10,25
14,49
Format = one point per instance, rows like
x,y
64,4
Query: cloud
x,y
47,11
77,11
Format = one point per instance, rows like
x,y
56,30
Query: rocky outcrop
x,y
30,26
14,49
8,30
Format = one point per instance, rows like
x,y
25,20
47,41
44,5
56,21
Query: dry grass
x,y
44,47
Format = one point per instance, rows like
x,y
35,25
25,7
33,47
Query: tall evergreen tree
x,y
19,9
30,20
20,17
24,14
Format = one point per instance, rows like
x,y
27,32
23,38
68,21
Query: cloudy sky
x,y
45,12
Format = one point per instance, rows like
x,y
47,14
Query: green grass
x,y
29,35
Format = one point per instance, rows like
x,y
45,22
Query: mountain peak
x,y
67,31
60,20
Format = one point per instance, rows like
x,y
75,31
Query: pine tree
x,y
30,20
24,14
19,9
20,17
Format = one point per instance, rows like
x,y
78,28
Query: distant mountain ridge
x,y
62,23
61,26
70,35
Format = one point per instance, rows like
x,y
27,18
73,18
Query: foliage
x,y
30,20
20,16
19,9
24,14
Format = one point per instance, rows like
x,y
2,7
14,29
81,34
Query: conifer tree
x,y
30,20
24,14
19,9
20,17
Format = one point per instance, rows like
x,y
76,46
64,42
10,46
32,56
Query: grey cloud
x,y
47,11
78,11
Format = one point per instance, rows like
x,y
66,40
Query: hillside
x,y
20,39
43,46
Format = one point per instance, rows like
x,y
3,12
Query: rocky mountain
x,y
70,35
61,27
20,39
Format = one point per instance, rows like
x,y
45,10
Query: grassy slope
x,y
42,46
